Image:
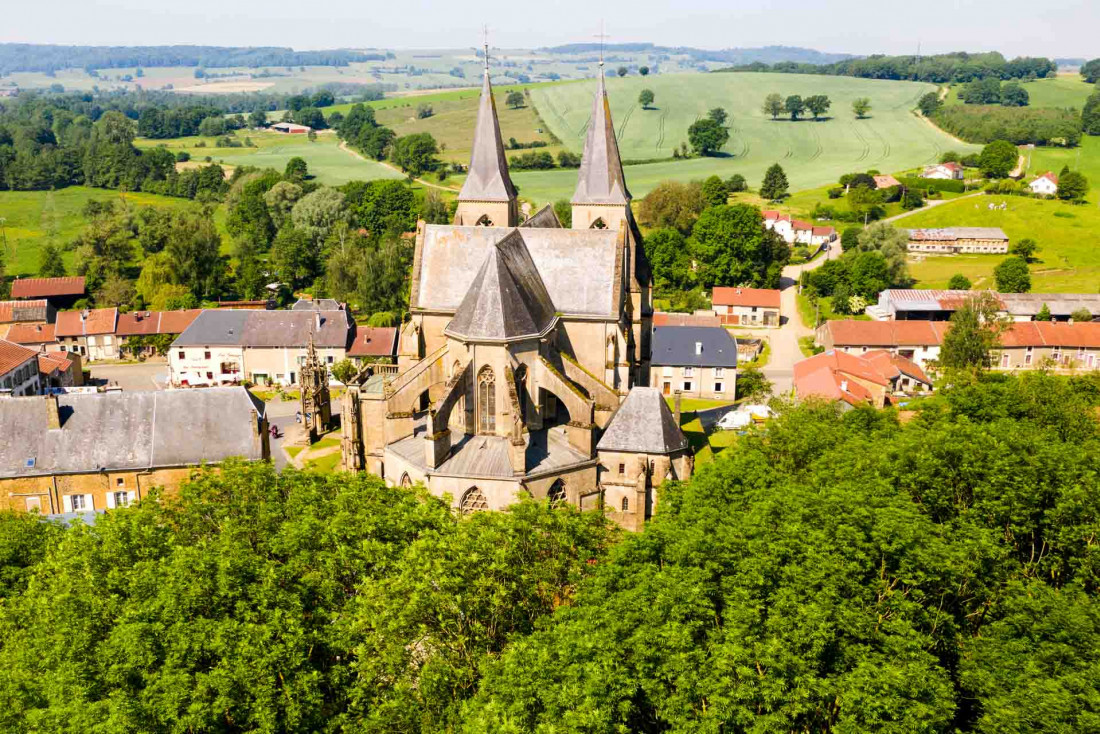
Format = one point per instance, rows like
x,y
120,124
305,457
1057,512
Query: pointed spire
x,y
601,179
487,179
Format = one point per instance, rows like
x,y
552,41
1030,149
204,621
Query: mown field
x,y
30,215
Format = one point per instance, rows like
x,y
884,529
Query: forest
x,y
934,570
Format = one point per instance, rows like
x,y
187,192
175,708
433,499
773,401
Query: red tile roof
x,y
745,297
31,334
96,321
885,181
820,376
145,323
1049,175
800,225
824,231
891,365
12,355
51,363
851,333
374,341
11,311
47,287
661,318
176,322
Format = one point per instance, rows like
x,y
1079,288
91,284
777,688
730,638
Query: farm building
x,y
746,306
1045,185
944,171
290,128
953,240
60,292
795,231
903,304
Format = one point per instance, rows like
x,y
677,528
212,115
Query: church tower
x,y
601,200
488,197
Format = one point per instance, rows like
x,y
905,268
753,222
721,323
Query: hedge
x,y
934,184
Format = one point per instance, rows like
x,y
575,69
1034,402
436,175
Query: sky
x,y
1062,28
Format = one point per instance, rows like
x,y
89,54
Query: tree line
x,y
837,572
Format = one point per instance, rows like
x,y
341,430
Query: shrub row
x,y
933,184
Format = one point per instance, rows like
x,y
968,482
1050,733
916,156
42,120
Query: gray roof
x,y
675,346
1059,304
507,300
486,457
128,430
601,179
957,233
487,178
577,266
246,328
543,218
316,304
643,424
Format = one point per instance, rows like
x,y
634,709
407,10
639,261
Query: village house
x,y
944,171
697,361
795,231
59,370
526,345
38,311
903,304
38,336
885,181
747,306
918,341
90,452
60,292
137,331
374,344
89,333
1045,185
265,347
954,240
872,378
18,370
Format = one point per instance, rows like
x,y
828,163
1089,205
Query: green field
x,y
28,216
1065,90
812,153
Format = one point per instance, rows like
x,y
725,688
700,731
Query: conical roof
x,y
643,424
488,178
507,300
601,179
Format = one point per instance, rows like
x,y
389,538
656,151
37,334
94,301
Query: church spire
x,y
601,179
487,179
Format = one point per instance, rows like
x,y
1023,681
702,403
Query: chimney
x,y
83,316
53,415
317,315
698,348
676,406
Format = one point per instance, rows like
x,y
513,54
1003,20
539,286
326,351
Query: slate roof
x,y
246,328
661,318
17,311
643,424
316,304
487,177
764,297
12,355
374,341
507,299
47,287
545,218
86,323
577,266
128,430
675,346
601,179
31,334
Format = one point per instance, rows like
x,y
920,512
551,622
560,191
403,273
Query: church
x,y
524,366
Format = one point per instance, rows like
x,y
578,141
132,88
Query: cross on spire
x,y
603,37
485,35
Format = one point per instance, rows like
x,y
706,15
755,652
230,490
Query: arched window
x,y
599,224
486,400
484,221
405,481
473,501
557,494
626,504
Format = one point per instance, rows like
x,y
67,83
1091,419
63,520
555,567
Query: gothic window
x,y
484,221
473,501
626,504
405,481
486,401
599,224
557,495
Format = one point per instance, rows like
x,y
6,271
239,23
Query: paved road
x,y
139,377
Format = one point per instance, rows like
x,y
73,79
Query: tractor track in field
x,y
626,121
817,142
863,141
661,129
885,145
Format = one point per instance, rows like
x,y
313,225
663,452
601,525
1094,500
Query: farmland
x,y
1065,90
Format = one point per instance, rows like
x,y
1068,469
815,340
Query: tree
x,y
1012,275
958,282
1081,315
1044,314
622,70
774,186
50,264
294,256
424,111
212,127
998,159
296,170
752,385
794,106
1013,95
818,104
892,244
1090,115
731,247
861,106
1025,248
345,371
1073,187
416,154
715,192
435,209
672,204
737,183
318,212
669,257
930,103
194,251
515,99
645,98
643,70
773,105
719,115
841,299
115,291
280,200
1091,71
707,136
258,118
975,333
849,238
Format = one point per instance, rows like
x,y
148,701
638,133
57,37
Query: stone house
x,y
143,326
89,333
795,231
955,240
697,361
747,306
90,452
18,370
38,311
38,336
918,341
59,370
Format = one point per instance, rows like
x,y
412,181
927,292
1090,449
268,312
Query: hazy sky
x,y
1015,27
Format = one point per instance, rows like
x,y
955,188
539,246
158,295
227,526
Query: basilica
x,y
524,366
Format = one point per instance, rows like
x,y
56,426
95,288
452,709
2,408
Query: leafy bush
x,y
933,184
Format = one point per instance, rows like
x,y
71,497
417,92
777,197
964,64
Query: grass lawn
x,y
293,451
706,446
691,405
326,464
27,215
324,443
1065,90
1068,236
825,305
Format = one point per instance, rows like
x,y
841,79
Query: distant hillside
x,y
765,54
48,58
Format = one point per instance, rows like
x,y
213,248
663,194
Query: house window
x,y
626,504
210,375
91,341
688,372
206,355
486,400
622,470
79,503
330,359
666,371
719,372
1027,357
687,387
107,341
119,481
121,499
180,354
718,387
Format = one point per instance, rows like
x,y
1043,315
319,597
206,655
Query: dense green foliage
x,y
932,184
1012,275
990,91
1090,115
873,262
707,136
998,159
774,185
986,123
